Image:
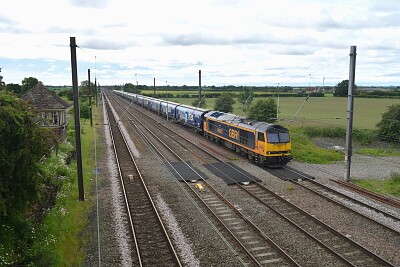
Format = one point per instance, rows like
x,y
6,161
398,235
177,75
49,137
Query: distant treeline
x,y
226,88
186,91
379,94
216,95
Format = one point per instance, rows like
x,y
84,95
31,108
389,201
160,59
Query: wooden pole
x,y
77,119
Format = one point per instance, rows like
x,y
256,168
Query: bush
x,y
325,132
363,136
85,110
389,126
304,150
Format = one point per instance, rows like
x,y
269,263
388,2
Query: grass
x,y
304,150
389,187
325,111
60,237
379,152
68,219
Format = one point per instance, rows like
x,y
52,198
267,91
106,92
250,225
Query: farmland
x,y
319,111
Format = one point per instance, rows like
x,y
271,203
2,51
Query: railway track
x,y
384,199
259,248
150,239
346,250
327,192
302,180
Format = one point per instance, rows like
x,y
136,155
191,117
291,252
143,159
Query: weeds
x,y
379,152
290,187
304,150
390,186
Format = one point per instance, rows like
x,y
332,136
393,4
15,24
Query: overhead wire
x,y
321,121
130,70
328,65
138,73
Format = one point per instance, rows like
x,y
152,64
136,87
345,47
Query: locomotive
x,y
264,143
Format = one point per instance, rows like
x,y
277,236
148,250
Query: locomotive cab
x,y
274,144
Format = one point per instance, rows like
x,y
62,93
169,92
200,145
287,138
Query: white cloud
x,y
90,3
258,41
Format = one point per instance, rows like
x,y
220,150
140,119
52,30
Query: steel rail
x,y
165,233
384,199
258,230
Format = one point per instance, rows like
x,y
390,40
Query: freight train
x,y
264,143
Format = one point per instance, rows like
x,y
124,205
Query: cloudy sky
x,y
240,42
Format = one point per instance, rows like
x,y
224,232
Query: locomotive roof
x,y
243,121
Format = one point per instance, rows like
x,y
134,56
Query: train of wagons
x,y
264,143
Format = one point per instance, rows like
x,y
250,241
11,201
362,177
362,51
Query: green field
x,y
331,111
321,111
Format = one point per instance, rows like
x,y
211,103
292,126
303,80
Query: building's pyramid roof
x,y
42,98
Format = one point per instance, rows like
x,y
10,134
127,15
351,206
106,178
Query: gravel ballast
x,y
199,243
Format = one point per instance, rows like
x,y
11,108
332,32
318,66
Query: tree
x,y
27,84
342,88
14,88
67,93
203,103
246,96
389,126
131,88
2,84
22,144
84,109
263,110
84,88
224,102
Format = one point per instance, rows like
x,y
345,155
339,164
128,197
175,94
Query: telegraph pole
x,y
90,100
154,82
199,86
350,111
95,88
77,119
166,88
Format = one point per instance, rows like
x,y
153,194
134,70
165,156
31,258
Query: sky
x,y
232,42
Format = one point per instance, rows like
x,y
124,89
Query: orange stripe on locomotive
x,y
265,143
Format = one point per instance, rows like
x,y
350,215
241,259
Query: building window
x,y
54,116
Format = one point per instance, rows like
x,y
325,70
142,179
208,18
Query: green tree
x,y
67,93
84,109
263,110
342,88
22,144
14,88
203,103
389,126
131,88
84,89
27,84
246,96
225,102
2,84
